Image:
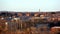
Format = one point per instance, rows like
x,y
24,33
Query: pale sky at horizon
x,y
29,5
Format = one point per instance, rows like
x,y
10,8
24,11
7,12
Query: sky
x,y
29,5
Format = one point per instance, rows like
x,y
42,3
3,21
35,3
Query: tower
x,y
39,10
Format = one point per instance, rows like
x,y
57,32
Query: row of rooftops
x,y
52,15
37,14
